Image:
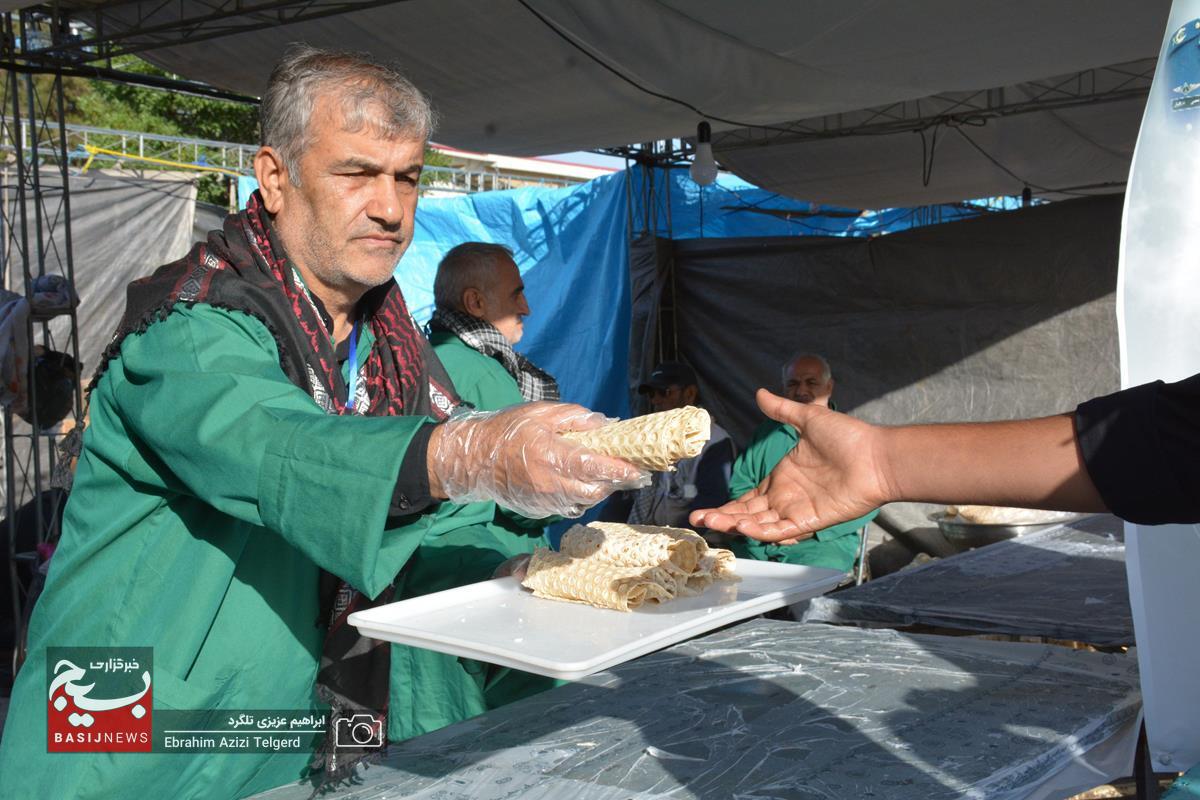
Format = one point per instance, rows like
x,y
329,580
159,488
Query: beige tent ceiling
x,y
541,76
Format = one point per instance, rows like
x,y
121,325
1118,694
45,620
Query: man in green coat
x,y
268,445
807,378
480,304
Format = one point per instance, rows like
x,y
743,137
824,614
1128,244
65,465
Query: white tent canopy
x,y
529,77
1062,137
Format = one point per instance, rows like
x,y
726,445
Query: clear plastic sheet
x,y
780,710
1066,582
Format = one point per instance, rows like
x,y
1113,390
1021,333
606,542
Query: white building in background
x,y
470,172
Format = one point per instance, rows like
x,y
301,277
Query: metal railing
x,y
109,147
458,180
133,145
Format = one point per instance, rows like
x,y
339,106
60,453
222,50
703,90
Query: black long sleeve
x,y
1142,450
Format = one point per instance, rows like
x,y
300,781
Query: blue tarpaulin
x,y
1186,787
732,208
572,248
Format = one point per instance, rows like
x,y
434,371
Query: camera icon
x,y
359,730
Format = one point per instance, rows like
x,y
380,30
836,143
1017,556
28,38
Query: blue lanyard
x,y
353,367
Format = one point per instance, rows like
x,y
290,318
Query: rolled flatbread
x,y
718,563
721,564
633,546
619,566
678,534
653,441
558,576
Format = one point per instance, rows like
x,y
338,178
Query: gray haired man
x,y
807,378
268,425
479,314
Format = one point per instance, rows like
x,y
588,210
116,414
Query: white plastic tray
x,y
500,622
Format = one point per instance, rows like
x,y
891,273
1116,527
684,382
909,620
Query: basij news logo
x,y
99,699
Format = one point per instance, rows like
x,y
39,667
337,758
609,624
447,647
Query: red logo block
x,y
99,699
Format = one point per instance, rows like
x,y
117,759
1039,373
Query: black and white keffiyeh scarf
x,y
535,383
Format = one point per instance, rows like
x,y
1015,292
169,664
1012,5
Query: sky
x,y
588,159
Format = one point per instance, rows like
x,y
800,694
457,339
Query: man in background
x,y
479,308
671,496
807,378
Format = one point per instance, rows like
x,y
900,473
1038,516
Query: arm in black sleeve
x,y
412,495
1142,450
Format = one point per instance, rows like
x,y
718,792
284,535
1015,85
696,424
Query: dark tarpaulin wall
x,y
649,260
1004,316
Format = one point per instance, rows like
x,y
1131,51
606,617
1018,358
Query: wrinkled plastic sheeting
x,y
771,709
1065,583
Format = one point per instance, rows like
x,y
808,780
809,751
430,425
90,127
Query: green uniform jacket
x,y
440,689
484,383
209,494
835,548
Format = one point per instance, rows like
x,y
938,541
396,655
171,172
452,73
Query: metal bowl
x,y
973,534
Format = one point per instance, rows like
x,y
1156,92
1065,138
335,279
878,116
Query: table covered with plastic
x,y
1067,582
785,710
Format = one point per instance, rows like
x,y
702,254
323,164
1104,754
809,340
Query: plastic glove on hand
x,y
516,457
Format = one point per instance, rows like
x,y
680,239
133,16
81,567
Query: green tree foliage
x,y
434,159
127,107
136,108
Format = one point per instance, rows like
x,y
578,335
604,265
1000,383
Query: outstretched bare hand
x,y
834,474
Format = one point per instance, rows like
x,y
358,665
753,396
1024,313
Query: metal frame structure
x,y
1128,81
654,205
117,146
35,217
87,145
136,26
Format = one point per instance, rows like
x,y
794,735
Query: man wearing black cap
x,y
671,496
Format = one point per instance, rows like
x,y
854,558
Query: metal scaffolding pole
x,y
37,242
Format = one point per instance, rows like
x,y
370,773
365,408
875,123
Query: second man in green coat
x,y
806,379
480,304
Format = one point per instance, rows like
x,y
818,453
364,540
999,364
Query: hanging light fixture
x,y
704,168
